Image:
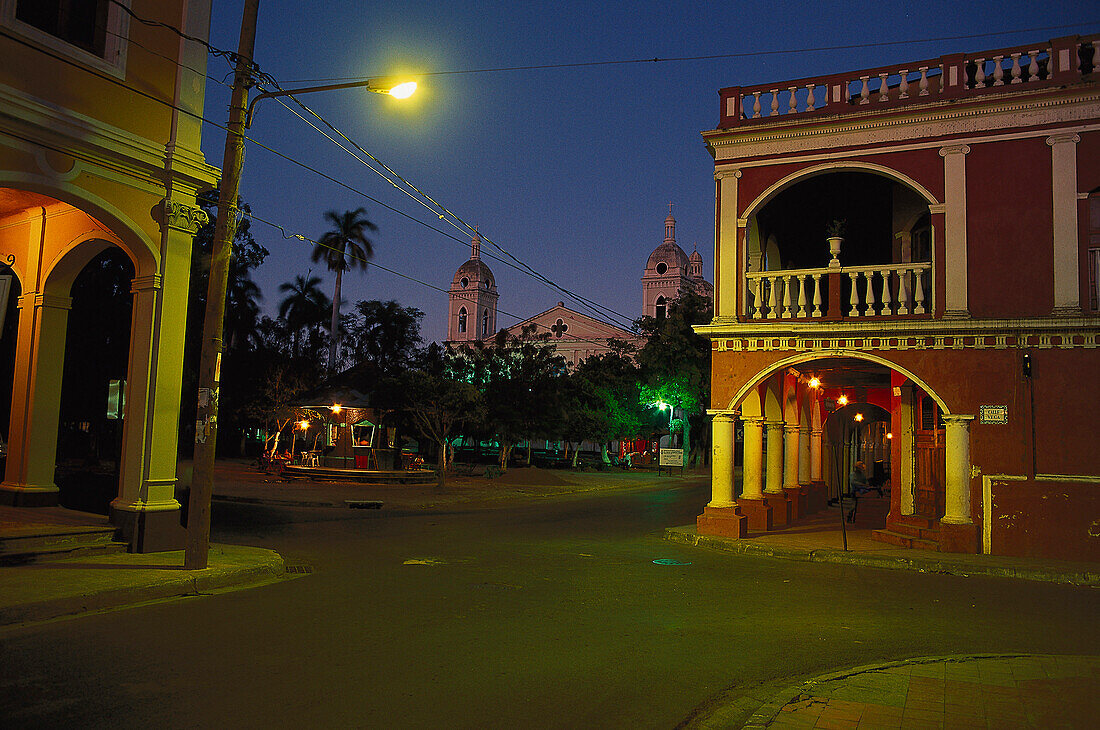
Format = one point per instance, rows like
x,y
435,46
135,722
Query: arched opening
x,y
660,309
93,385
871,227
850,407
462,321
485,323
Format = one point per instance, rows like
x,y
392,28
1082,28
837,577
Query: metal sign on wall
x,y
993,414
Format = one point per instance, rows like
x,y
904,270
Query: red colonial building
x,y
915,246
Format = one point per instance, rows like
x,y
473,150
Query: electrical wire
x,y
719,56
222,127
306,239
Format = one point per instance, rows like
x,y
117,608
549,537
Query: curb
x,y
768,711
932,563
265,565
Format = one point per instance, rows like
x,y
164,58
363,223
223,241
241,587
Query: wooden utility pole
x,y
206,425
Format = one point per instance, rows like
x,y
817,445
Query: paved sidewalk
x,y
52,589
818,539
984,691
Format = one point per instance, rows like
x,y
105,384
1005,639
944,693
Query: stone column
x,y
957,476
36,401
753,502
815,454
721,479
727,244
722,516
790,470
957,530
773,481
752,470
804,455
1067,292
954,265
903,478
146,510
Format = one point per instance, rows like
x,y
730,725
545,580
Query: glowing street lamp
x,y
814,383
859,418
842,400
397,88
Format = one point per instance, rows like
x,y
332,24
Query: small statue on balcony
x,y
834,234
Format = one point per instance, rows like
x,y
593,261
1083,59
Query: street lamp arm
x,y
378,86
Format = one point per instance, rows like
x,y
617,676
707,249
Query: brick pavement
x,y
950,692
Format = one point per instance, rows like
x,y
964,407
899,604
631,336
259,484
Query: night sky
x,y
571,170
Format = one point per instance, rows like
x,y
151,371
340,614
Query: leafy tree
x,y
385,335
438,404
303,306
273,407
520,378
344,247
612,391
675,362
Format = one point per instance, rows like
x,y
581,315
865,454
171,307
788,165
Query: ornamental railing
x,y
878,290
1056,62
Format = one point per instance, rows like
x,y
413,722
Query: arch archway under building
x,y
784,410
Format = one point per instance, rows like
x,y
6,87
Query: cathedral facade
x,y
668,272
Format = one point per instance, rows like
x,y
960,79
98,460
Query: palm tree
x,y
344,247
304,305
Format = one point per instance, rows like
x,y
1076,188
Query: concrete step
x,y
922,531
43,543
905,541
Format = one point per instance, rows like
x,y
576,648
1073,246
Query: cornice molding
x,y
48,126
1047,333
790,134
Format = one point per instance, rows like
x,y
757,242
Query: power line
x,y
307,239
715,56
273,151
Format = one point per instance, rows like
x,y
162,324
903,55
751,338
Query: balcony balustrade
x,y
879,290
948,77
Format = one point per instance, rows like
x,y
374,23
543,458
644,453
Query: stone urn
x,y
834,250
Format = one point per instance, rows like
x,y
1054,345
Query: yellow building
x,y
99,147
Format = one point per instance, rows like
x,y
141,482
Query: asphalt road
x,y
550,614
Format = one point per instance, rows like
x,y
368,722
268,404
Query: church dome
x,y
665,258
668,257
474,274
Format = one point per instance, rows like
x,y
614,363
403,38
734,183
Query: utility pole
x,y
197,549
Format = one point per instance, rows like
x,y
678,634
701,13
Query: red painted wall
x,y
1046,519
1009,229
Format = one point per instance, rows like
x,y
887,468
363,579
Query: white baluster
x,y
817,295
773,298
854,303
757,310
1016,69
756,105
775,102
943,78
887,303
923,83
1033,67
872,298
792,105
999,71
811,103
903,85
787,297
903,290
802,284
979,73
865,91
883,88
918,295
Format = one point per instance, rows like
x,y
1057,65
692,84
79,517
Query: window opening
x,y
83,23
462,320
